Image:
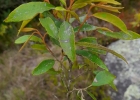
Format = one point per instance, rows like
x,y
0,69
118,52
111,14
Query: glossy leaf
x,y
24,23
63,2
82,3
103,28
121,35
41,47
97,51
24,38
60,8
53,72
92,57
105,1
96,72
84,44
54,41
56,21
103,78
28,11
59,14
89,40
50,26
113,86
111,19
92,40
78,5
28,29
110,8
67,40
43,67
91,95
86,27
74,15
108,1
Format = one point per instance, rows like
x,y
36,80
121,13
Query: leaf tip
x,y
5,20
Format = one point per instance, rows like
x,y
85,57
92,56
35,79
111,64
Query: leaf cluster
x,y
57,21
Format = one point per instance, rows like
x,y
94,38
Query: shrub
x,y
77,53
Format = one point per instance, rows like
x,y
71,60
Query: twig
x,y
86,18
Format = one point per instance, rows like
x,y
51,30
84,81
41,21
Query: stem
x,y
79,90
26,42
43,38
47,1
80,74
69,72
71,2
69,8
63,76
86,18
69,75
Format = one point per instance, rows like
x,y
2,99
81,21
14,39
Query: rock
x,y
132,93
127,75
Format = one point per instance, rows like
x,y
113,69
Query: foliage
x,y
76,53
7,32
136,23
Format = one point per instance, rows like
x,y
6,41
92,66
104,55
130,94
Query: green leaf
x,y
3,29
28,11
24,38
113,86
103,78
91,95
110,8
78,5
56,21
112,19
85,44
24,23
41,47
74,15
92,57
60,8
63,2
82,3
108,1
96,72
53,72
86,27
50,26
89,40
105,1
92,40
97,51
28,29
121,35
67,40
43,67
54,41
